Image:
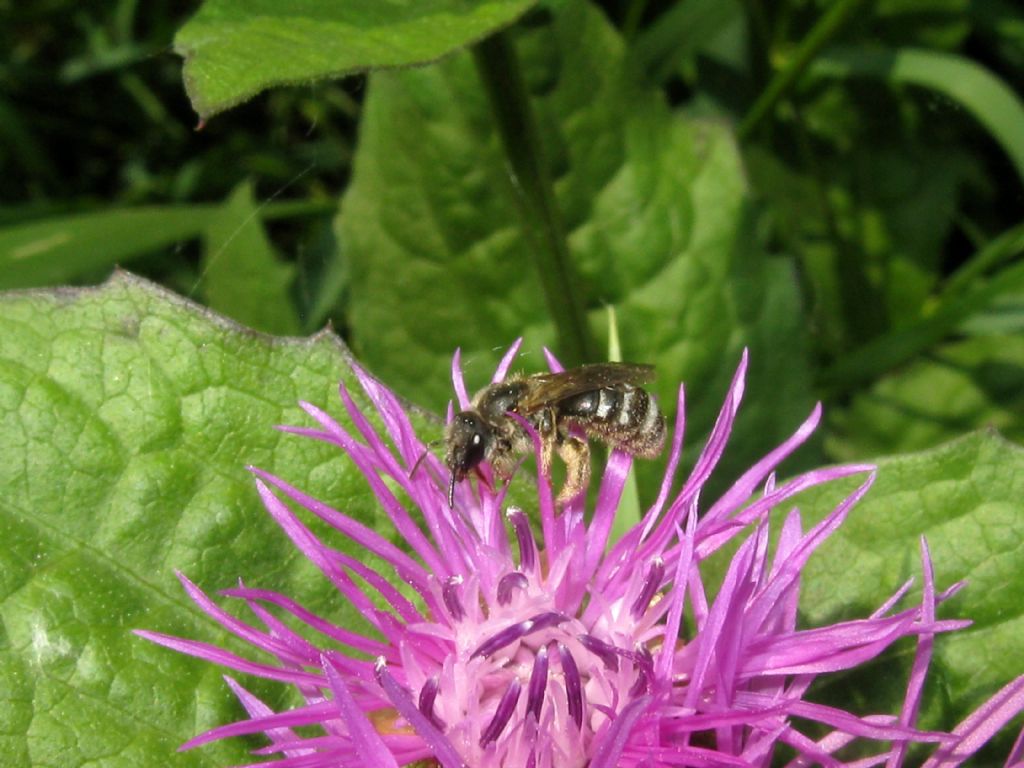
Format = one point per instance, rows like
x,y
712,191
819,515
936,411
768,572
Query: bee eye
x,y
476,439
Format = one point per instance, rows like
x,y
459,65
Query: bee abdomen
x,y
626,418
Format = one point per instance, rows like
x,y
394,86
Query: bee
x,y
603,401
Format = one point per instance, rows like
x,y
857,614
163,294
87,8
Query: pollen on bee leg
x,y
546,425
576,455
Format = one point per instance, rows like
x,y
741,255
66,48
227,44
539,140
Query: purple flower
x,y
558,648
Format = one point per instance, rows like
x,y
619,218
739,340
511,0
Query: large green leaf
x,y
127,416
60,249
656,208
241,275
234,49
966,498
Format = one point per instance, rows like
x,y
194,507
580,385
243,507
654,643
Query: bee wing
x,y
548,388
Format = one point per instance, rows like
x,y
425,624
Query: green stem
x,y
821,34
498,66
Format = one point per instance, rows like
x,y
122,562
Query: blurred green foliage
x,y
94,120
881,142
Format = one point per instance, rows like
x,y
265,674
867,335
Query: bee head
x,y
466,438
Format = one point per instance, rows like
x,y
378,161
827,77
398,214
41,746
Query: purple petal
x,y
981,725
506,706
311,714
573,684
713,536
749,482
786,574
652,583
715,445
501,372
452,601
554,365
227,659
352,639
1016,757
509,584
316,552
402,605
612,483
613,741
409,569
428,695
676,599
285,739
396,422
710,634
674,456
607,653
810,753
458,382
922,657
368,742
527,546
443,750
241,629
860,726
518,631
688,756
538,683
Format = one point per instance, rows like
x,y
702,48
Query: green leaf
x,y
241,275
965,497
234,49
60,249
682,32
868,201
966,298
127,417
63,249
961,387
941,24
989,99
657,210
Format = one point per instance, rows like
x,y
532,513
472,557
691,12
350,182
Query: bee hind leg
x,y
576,455
548,438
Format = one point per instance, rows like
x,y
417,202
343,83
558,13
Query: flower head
x,y
549,646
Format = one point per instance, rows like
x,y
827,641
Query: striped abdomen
x,y
626,418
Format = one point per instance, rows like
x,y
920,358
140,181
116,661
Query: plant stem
x,y
544,232
821,34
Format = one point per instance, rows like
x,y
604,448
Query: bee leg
x,y
576,455
548,438
504,466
